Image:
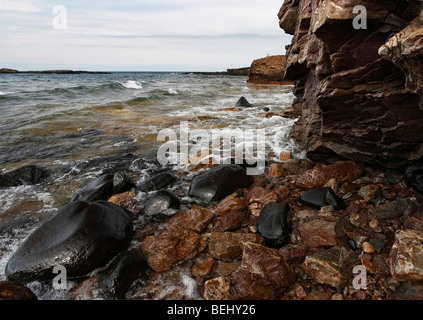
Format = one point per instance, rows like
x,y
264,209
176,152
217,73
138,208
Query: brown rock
x,y
333,266
263,275
229,222
318,233
195,219
170,247
227,245
125,200
275,170
406,254
345,171
268,70
285,156
217,289
89,289
296,166
261,195
231,204
226,268
14,291
203,266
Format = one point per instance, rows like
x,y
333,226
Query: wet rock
x,y
273,224
217,289
157,182
162,205
319,232
203,266
322,197
219,182
243,103
103,188
195,219
261,195
285,156
405,256
125,200
89,289
170,247
394,209
369,192
409,290
226,268
414,176
230,204
264,274
344,171
125,268
26,175
229,222
275,170
332,266
297,166
81,236
14,291
228,245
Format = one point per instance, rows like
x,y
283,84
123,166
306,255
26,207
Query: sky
x,y
138,35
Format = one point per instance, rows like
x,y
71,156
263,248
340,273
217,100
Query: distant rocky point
x,y
268,70
6,70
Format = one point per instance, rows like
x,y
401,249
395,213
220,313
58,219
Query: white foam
x,y
132,84
172,91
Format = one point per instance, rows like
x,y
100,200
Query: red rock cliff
x,y
358,91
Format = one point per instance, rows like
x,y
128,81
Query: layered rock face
x,y
358,89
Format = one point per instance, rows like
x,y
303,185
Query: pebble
x,y
368,248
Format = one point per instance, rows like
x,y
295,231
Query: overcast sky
x,y
138,35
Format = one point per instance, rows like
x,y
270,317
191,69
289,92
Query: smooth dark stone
x,y
125,268
15,291
81,236
273,224
243,103
26,175
103,188
322,197
219,182
414,176
157,182
160,203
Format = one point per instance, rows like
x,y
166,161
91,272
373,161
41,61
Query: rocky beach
x,y
344,222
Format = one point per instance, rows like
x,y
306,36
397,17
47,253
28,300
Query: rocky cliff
x,y
358,78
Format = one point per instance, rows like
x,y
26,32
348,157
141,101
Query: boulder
x,y
81,236
15,291
195,219
26,175
219,182
103,188
273,224
263,275
243,103
162,205
322,197
157,182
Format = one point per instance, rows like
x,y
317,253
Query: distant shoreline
x,y
13,71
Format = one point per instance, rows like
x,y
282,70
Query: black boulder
x,y
273,224
26,175
322,197
157,182
81,237
413,176
162,205
219,182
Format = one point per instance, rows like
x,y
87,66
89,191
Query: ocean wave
x,y
132,84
